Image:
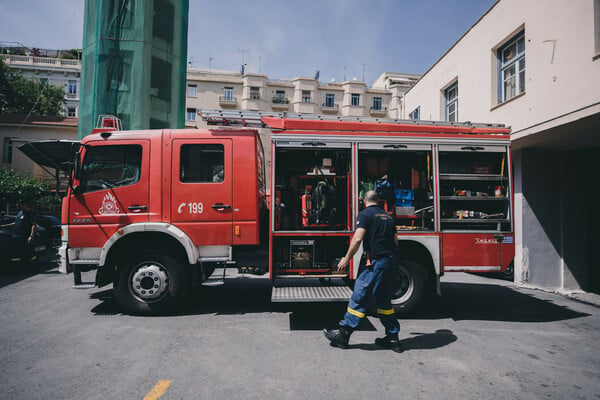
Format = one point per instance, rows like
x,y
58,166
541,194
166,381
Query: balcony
x,y
378,111
227,101
280,104
330,108
41,61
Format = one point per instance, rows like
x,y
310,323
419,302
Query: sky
x,y
283,39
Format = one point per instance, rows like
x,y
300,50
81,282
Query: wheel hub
x,y
149,281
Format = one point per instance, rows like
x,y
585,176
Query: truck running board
x,y
84,285
291,294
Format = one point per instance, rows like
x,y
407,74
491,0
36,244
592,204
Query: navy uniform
x,y
375,280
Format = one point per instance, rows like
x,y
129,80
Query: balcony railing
x,y
46,61
227,100
280,100
330,106
378,110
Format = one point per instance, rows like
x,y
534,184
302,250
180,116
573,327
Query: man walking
x,y
377,229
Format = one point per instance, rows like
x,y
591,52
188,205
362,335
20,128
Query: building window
x,y
306,96
121,79
44,81
254,93
191,114
192,90
71,112
279,97
330,100
415,114
72,87
376,103
511,68
228,93
355,99
451,98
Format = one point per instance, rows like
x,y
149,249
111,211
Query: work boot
x,y
338,337
391,342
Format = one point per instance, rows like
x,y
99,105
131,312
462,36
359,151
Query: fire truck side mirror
x,y
77,166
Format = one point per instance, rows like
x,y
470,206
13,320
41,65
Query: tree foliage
x,y
14,188
19,95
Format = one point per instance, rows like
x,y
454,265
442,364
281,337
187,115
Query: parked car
x,y
52,227
11,249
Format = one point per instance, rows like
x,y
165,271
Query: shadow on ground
x,y
17,271
460,301
491,302
418,341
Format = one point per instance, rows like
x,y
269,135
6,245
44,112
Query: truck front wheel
x,y
409,286
151,284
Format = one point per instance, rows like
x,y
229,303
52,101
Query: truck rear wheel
x,y
409,286
153,283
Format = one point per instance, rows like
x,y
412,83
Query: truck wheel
x,y
151,284
509,272
409,286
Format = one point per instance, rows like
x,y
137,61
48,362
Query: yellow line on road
x,y
158,390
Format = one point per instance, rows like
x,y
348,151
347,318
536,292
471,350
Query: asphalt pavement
x,y
483,339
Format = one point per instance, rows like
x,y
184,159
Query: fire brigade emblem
x,y
109,205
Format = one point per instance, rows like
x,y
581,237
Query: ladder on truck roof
x,y
254,119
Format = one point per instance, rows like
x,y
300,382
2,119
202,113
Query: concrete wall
x,y
553,243
561,72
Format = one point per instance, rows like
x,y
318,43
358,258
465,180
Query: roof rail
x,y
254,119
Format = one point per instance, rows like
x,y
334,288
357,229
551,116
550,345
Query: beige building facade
x,y
534,66
230,90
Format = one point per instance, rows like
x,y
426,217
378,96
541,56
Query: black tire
x,y
509,273
161,284
410,286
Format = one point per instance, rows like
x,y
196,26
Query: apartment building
x,y
535,66
54,71
230,90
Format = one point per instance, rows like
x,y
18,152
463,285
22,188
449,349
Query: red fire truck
x,y
156,212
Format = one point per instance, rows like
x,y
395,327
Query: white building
x,y
54,71
535,66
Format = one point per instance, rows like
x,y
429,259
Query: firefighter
x,y
376,227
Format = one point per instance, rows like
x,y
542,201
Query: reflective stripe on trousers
x,y
374,280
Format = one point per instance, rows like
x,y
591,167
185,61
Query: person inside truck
x,y
375,228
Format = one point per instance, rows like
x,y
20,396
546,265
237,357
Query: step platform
x,y
293,294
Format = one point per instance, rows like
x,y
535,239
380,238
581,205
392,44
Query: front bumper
x,y
63,261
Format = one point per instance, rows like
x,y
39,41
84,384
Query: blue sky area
x,y
281,38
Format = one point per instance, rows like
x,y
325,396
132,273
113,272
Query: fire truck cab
x,y
155,212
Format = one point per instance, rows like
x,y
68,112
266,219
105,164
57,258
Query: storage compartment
x,y
312,188
296,255
474,188
402,176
